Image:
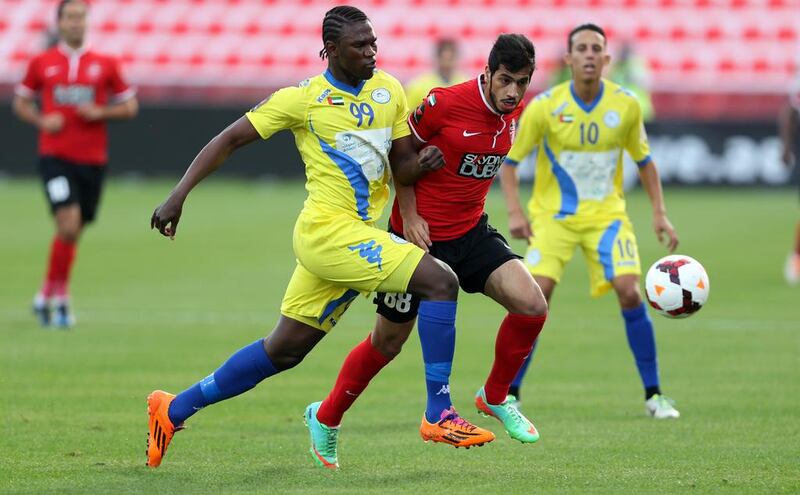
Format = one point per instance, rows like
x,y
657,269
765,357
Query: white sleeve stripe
x,y
125,95
24,91
411,126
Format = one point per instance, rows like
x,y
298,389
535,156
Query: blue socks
x,y
437,334
641,339
639,329
241,372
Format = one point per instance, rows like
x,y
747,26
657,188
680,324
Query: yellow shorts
x,y
609,247
339,257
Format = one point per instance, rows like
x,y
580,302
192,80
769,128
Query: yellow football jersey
x,y
419,87
344,134
579,162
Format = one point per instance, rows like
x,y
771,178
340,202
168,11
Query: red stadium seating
x,y
746,46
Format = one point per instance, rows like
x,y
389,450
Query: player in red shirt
x,y
474,124
79,90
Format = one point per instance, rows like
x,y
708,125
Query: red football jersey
x,y
66,79
474,139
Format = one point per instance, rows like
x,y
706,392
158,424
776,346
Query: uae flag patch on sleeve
x,y
335,100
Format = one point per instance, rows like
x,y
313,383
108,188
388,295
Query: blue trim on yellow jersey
x,y
569,193
331,307
586,108
353,90
352,170
605,246
509,161
644,161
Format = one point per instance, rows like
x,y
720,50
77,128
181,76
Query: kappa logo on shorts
x,y
370,252
533,257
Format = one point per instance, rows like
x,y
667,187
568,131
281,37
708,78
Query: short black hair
x,y
62,4
585,27
514,51
335,20
446,44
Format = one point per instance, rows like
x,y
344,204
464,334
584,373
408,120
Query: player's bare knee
x,y
285,360
629,297
531,305
534,306
390,346
445,284
68,230
69,235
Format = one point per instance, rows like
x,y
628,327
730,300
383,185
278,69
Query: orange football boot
x,y
454,430
161,428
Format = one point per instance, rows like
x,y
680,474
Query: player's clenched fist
x,y
165,218
431,158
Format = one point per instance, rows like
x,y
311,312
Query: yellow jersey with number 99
x,y
579,161
344,134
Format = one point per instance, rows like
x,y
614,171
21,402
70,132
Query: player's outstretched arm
x,y
408,165
165,218
518,224
661,224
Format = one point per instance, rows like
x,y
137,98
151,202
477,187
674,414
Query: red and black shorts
x,y
473,257
67,183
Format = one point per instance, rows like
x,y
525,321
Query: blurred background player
x,y
79,90
349,124
630,71
445,73
473,123
582,127
788,132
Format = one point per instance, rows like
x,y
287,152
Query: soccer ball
x,y
676,286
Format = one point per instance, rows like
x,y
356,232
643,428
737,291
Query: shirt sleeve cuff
x,y
24,91
509,161
411,126
644,161
125,95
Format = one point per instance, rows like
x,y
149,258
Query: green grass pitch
x,y
159,314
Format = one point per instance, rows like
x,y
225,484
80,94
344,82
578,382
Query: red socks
x,y
62,254
363,362
514,342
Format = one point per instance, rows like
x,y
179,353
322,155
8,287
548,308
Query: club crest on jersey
x,y
381,95
94,71
611,119
335,100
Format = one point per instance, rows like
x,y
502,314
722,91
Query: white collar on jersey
x,y
483,97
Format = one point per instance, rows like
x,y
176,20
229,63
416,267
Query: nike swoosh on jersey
x,y
468,134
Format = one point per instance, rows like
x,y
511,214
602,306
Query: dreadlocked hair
x,y
334,22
